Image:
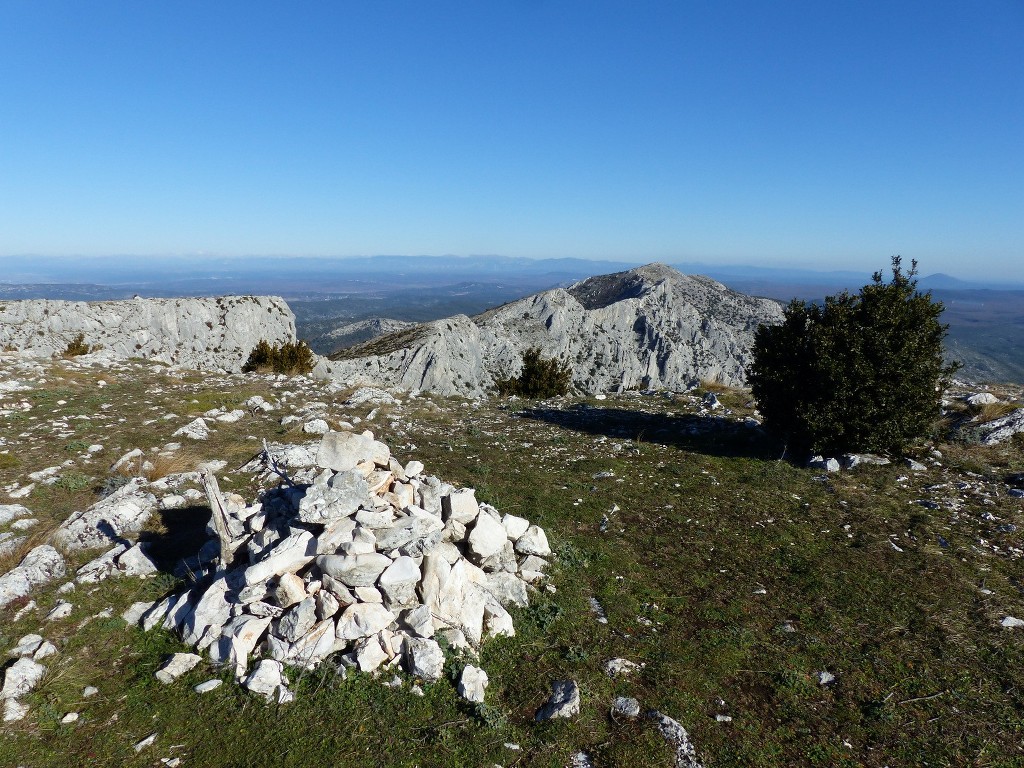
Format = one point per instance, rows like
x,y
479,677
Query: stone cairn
x,y
371,560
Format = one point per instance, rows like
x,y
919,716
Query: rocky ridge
x,y
203,333
650,327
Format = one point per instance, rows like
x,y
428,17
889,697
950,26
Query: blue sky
x,y
830,135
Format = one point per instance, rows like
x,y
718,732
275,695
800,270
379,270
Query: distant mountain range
x,y
185,275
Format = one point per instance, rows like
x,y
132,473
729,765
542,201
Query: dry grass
x,y
992,411
164,465
713,385
160,465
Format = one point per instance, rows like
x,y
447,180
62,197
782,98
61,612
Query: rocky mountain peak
x,y
603,290
646,327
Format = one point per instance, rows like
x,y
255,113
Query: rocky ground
x,y
705,603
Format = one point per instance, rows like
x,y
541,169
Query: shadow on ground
x,y
184,532
712,435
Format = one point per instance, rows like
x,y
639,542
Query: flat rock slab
x,y
176,666
342,451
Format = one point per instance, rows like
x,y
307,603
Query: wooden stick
x,y
220,519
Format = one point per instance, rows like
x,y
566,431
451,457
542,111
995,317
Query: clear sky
x,y
822,134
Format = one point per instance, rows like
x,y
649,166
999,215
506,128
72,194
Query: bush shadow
x,y
711,435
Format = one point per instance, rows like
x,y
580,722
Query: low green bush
x,y
539,378
291,358
77,347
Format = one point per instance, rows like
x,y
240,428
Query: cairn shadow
x,y
710,435
184,533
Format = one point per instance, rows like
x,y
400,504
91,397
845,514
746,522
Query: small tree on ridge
x,y
862,372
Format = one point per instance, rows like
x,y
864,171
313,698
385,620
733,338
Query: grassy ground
x,y
734,578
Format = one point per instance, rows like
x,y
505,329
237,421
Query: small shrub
x,y
291,358
539,378
73,481
77,347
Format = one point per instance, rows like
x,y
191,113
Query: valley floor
x,y
782,615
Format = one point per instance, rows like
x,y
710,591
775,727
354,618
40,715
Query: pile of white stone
x,y
373,561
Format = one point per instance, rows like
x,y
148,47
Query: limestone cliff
x,y
212,333
648,327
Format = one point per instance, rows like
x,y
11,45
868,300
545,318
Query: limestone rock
x,y
473,683
354,570
341,498
288,556
267,679
363,619
196,429
460,505
21,678
563,702
14,710
676,735
26,646
123,512
487,537
533,542
210,333
1003,428
9,512
40,566
626,707
398,583
423,658
370,654
648,327
342,451
982,398
298,620
176,666
136,561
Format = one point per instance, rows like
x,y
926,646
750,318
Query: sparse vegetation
x,y
291,358
860,372
540,377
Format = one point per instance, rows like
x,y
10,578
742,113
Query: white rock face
x,y
423,658
363,619
650,327
982,398
9,512
212,333
267,679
